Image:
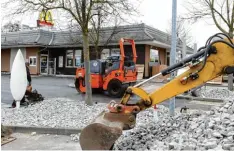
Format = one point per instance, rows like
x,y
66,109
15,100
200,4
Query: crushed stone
x,y
56,112
198,130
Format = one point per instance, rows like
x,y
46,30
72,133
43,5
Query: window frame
x,y
106,54
60,61
74,55
72,59
32,57
114,51
151,56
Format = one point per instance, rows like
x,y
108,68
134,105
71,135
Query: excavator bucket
x,y
102,133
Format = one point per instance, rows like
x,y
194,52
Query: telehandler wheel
x,y
114,88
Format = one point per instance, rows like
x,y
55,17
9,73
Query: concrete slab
x,y
43,130
41,142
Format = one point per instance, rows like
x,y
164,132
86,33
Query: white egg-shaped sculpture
x,y
18,81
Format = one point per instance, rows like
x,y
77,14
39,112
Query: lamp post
x,y
173,52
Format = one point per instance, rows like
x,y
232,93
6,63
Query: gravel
x,y
217,93
57,112
198,130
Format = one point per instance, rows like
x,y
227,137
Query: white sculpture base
x,y
17,104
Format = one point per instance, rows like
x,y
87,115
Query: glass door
x,y
44,64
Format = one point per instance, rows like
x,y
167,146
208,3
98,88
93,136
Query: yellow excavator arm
x,y
220,60
214,59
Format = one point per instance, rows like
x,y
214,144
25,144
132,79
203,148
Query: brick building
x,y
59,52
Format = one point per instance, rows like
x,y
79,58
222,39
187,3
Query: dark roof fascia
x,y
80,45
20,46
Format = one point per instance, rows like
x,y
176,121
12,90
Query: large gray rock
x,y
227,146
231,133
217,135
210,144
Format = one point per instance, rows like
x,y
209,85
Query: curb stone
x,y
44,130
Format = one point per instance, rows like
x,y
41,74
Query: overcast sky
x,y
155,13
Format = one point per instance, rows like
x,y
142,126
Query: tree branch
x,y
228,12
214,18
78,10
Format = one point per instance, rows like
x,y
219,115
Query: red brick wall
x,y
5,60
33,52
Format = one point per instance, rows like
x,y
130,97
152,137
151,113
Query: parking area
x,y
49,87
52,87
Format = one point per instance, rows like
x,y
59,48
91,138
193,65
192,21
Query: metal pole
x,y
184,48
195,48
143,82
173,52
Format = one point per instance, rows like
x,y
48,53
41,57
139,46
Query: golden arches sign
x,y
45,18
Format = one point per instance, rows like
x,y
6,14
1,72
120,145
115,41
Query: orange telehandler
x,y
113,75
214,59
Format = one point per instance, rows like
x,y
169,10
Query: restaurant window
x,y
154,56
115,52
105,53
32,61
73,58
78,57
60,61
69,58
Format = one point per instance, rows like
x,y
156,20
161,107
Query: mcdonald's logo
x,y
45,18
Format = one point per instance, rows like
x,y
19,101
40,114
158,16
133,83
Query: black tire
x,y
77,85
115,88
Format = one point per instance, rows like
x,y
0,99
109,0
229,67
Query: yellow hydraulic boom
x,y
214,59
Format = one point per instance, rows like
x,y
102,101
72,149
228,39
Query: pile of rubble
x,y
57,112
196,131
218,93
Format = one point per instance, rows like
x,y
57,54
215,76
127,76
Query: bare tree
x,y
183,36
221,12
82,11
11,27
182,31
97,32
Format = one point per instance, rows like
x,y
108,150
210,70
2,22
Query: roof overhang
x,y
155,43
19,46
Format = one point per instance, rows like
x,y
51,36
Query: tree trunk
x,y
230,76
88,95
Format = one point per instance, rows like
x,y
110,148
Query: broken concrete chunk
x,y
172,145
225,116
217,135
230,133
210,145
33,133
227,146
